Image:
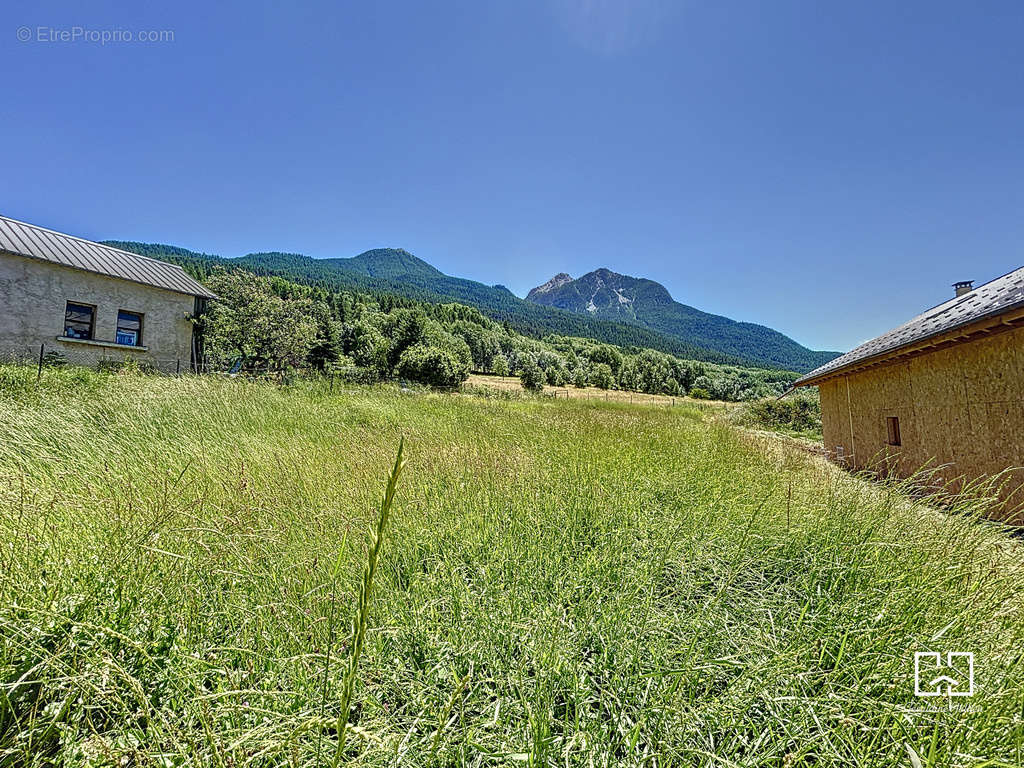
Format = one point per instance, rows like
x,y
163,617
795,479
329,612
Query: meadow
x,y
477,383
561,583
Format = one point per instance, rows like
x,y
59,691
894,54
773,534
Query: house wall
x,y
961,406
35,294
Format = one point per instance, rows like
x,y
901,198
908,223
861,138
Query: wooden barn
x,y
945,389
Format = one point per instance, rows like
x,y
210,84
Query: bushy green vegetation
x,y
561,583
686,333
531,376
272,323
798,414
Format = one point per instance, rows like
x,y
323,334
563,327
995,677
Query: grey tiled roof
x,y
991,299
35,242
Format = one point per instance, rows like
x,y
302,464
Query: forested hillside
x,y
609,295
271,322
398,272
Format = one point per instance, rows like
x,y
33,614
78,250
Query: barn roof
x,y
34,242
990,300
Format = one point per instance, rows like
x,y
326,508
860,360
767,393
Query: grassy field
x,y
563,583
513,384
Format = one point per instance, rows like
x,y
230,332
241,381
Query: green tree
x,y
548,360
404,328
369,348
684,373
499,364
607,354
627,376
328,347
483,343
531,376
249,320
652,371
432,365
601,376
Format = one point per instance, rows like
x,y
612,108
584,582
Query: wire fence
x,y
58,354
61,353
617,396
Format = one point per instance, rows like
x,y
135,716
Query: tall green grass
x,y
796,416
562,583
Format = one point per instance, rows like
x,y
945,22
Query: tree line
x,y
270,323
393,272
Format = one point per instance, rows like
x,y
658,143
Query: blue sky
x,y
825,169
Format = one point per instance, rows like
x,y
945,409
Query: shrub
x,y
434,366
801,413
697,393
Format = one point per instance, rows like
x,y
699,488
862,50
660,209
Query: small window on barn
x,y
78,320
129,328
892,423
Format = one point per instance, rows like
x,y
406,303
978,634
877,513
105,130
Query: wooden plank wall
x,y
962,406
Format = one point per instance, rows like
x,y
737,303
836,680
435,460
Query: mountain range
x,y
611,296
676,329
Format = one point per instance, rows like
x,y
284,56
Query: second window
x,y
129,328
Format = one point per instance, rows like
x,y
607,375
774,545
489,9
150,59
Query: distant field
x,y
512,383
563,584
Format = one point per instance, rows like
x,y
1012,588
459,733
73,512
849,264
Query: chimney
x,y
964,286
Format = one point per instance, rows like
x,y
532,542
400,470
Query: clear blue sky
x,y
827,169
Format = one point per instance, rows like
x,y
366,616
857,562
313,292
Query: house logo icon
x,y
935,675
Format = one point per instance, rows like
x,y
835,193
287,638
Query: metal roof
x,y
34,242
989,300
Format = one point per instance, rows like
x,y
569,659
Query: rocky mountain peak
x,y
553,284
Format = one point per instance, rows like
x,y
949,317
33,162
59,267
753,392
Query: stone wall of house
x,y
960,410
35,294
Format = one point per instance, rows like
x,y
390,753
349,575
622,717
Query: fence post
x,y
39,371
177,367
